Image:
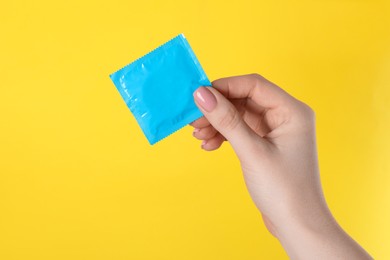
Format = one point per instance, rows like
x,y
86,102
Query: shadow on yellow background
x,y
78,180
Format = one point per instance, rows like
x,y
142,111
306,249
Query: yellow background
x,y
78,180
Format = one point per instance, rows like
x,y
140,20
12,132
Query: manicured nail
x,y
205,99
196,130
203,144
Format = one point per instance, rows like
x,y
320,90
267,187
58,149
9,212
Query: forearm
x,y
320,239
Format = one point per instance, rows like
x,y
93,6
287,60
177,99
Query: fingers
x,y
212,140
225,118
203,130
205,133
213,143
200,123
221,118
254,87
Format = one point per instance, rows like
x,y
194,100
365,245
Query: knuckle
x,y
257,77
306,114
308,111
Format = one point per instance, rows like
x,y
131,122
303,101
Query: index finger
x,y
253,86
200,123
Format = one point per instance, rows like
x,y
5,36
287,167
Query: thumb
x,y
226,119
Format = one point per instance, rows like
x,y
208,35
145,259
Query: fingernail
x,y
205,99
196,130
203,144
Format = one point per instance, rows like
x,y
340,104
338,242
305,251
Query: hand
x,y
273,136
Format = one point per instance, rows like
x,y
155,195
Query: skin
x,y
273,136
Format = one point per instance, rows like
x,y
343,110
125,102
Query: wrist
x,y
318,236
306,236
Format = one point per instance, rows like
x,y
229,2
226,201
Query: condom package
x,y
158,87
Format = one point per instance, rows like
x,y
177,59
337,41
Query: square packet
x,y
158,87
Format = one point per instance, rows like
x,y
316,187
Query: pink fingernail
x,y
196,130
205,99
203,144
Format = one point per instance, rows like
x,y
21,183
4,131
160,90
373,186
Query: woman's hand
x,y
273,136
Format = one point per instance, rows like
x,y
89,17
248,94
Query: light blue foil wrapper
x,y
158,87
